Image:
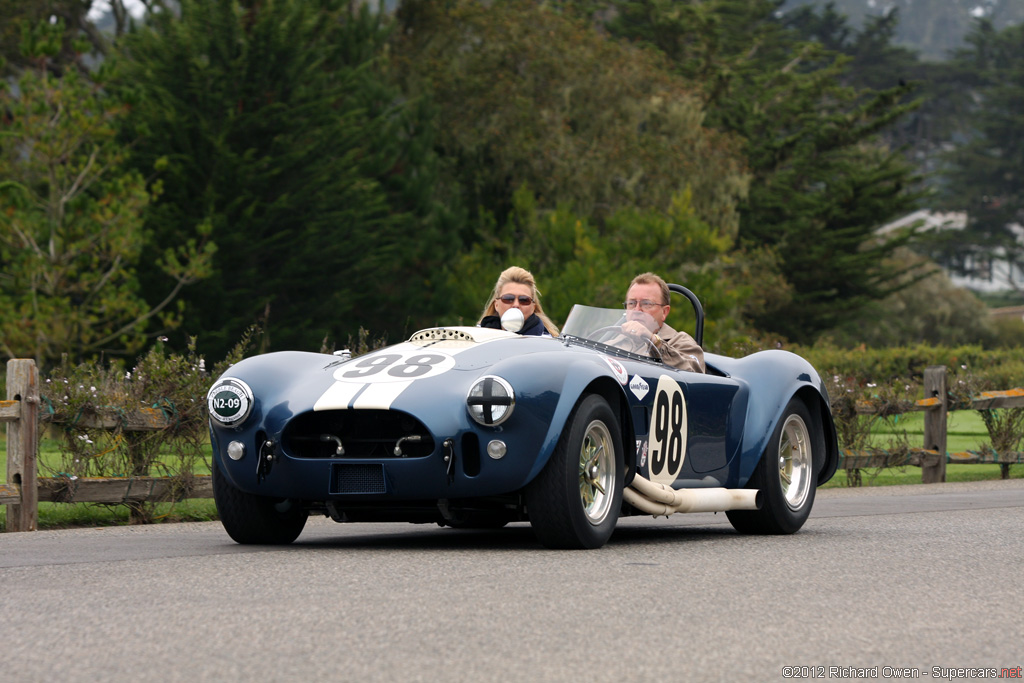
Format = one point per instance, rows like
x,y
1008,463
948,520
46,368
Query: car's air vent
x,y
440,334
366,434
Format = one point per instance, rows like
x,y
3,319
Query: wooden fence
x,y
21,413
936,408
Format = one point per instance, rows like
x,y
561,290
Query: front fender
x,y
568,381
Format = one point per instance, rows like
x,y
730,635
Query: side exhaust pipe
x,y
658,499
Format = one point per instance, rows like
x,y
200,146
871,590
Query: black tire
x,y
256,520
785,476
566,504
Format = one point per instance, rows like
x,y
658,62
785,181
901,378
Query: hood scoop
x,y
461,336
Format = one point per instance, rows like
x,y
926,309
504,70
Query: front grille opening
x,y
370,434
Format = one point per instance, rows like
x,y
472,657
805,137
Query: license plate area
x,y
354,478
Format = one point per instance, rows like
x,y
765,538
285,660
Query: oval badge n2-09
x,y
230,401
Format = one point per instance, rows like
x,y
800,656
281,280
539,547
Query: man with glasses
x,y
646,309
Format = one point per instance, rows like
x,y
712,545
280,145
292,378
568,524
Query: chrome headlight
x,y
490,401
230,401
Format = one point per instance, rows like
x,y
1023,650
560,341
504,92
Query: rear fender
x,y
822,428
775,377
818,406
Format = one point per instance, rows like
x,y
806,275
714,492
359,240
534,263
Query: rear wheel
x,y
785,476
259,520
574,502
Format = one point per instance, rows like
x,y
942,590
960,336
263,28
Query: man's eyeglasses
x,y
509,299
645,304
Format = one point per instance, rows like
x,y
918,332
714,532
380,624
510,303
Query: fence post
x,y
23,444
934,470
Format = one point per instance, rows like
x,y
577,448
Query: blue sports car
x,y
473,428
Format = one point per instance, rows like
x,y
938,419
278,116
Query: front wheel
x,y
785,475
574,502
258,520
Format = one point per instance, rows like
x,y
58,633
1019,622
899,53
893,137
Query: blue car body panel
x,y
325,429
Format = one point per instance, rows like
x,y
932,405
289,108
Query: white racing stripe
x,y
380,396
388,372
338,396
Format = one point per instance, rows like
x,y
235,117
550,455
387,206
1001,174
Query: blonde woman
x,y
516,289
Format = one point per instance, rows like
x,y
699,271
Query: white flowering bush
x,y
94,407
861,408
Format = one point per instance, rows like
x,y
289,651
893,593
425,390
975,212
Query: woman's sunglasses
x,y
509,299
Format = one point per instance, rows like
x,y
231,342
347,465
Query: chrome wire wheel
x,y
785,475
795,461
597,472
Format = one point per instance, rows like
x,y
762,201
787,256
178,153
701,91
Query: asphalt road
x,y
924,578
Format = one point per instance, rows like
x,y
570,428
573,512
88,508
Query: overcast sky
x,y
101,7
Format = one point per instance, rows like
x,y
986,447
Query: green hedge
x,y
987,369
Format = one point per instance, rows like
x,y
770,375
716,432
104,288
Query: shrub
x,y
91,406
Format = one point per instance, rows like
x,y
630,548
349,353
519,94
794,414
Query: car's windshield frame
x,y
594,328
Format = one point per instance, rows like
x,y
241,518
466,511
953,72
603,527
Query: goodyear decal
x,y
639,387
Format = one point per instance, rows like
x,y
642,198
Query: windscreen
x,y
604,326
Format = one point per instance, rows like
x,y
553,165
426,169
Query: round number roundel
x,y
230,401
668,432
395,365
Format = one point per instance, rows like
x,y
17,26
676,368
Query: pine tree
x,y
78,36
821,182
272,125
986,176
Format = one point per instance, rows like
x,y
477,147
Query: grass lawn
x,y
892,476
966,432
64,515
